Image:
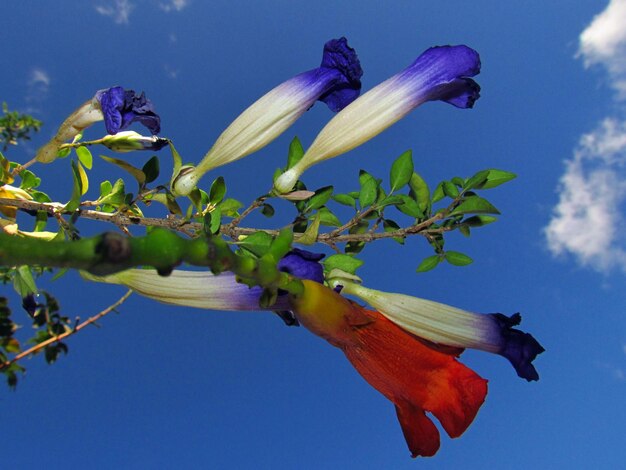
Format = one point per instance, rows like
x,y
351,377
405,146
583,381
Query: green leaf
x,y
29,180
84,180
429,263
328,218
458,259
497,177
458,181
345,200
391,226
62,153
178,161
139,175
195,196
310,234
281,244
216,220
230,207
420,191
296,152
394,200
346,263
438,194
477,180
218,190
85,157
105,188
320,198
267,210
23,281
410,207
117,194
450,189
401,170
475,205
465,230
369,189
151,169
258,243
479,220
77,188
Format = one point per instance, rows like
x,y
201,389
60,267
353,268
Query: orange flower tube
x,y
416,375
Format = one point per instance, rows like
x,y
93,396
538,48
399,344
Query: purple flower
x,y
336,82
122,107
518,347
303,264
440,73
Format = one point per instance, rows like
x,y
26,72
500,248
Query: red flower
x,y
416,375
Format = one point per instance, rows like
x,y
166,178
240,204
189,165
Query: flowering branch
x,y
407,348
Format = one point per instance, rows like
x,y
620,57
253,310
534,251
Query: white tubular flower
x,y
336,82
452,326
440,73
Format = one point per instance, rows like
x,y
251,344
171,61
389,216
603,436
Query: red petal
x,y
416,378
414,374
420,433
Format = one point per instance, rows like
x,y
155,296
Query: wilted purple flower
x,y
118,107
122,107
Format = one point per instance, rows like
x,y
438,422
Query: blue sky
x,y
164,387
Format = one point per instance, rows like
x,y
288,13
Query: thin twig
x,y
74,330
191,228
353,221
254,205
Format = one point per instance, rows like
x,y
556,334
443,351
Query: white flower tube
x,y
198,289
440,73
443,324
336,82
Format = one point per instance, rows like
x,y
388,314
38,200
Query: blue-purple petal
x,y
518,347
111,102
303,264
461,93
442,73
343,62
123,107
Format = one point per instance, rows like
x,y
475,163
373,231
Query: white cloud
x,y
38,85
603,42
173,5
587,221
170,72
39,78
118,10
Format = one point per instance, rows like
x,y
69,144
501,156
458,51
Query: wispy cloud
x,y
173,5
37,88
587,221
39,79
118,10
170,72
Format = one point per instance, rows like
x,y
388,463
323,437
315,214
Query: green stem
x,y
111,252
